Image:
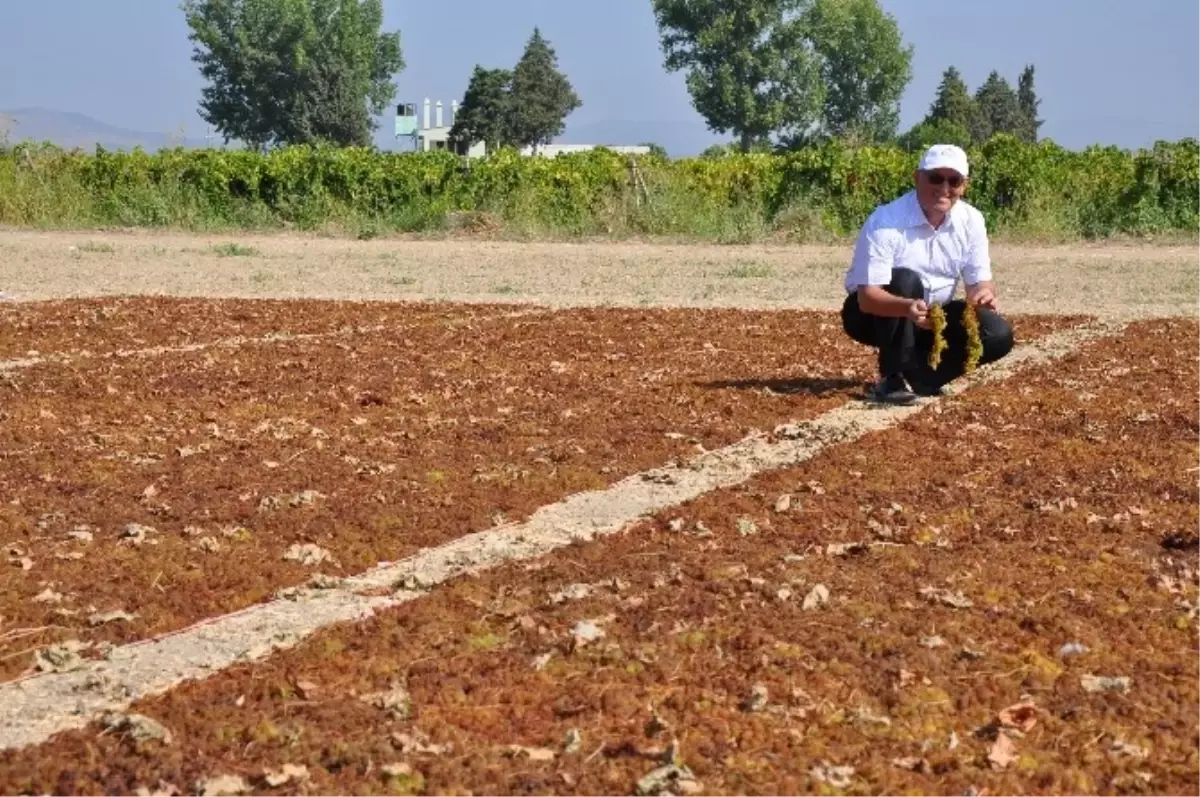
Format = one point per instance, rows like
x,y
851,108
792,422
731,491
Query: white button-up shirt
x,y
898,235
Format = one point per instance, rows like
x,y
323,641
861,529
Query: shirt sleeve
x,y
874,255
978,265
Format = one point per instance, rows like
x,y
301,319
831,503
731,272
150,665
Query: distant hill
x,y
70,130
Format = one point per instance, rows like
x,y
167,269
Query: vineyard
x,y
1025,190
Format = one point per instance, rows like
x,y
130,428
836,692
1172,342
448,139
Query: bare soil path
x,y
1103,279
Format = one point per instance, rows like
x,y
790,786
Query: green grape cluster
x,y
937,321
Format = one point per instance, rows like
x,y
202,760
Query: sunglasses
x,y
937,178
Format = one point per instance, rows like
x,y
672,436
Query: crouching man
x,y
909,256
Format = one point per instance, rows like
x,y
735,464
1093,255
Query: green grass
x,y
233,249
104,248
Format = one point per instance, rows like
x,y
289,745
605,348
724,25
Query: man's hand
x,y
918,313
983,295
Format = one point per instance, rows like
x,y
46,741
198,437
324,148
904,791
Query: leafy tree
x,y
483,114
657,150
864,65
953,102
293,71
1028,101
999,106
749,67
541,97
955,105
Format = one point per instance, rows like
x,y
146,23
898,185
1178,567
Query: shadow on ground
x,y
811,385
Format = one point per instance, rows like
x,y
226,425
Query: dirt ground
x,y
1103,279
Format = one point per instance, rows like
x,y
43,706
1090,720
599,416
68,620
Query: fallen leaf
x,y
418,743
1022,716
817,596
1120,748
571,592
287,774
1105,683
669,779
307,554
222,785
1003,752
395,700
139,727
955,599
912,763
48,596
307,689
136,533
783,503
586,631
845,548
110,617
80,533
757,699
837,776
531,753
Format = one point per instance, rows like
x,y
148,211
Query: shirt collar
x,y
915,217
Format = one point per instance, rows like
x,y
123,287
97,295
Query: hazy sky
x,y
1125,77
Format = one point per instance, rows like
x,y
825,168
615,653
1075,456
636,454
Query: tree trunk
x,y
746,140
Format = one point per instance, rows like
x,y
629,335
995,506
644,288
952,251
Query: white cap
x,y
944,156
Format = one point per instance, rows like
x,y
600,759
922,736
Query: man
x,y
910,255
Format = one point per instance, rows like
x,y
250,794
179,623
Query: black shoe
x,y
920,386
891,390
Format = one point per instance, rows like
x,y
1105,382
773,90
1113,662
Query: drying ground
x,y
997,595
1000,593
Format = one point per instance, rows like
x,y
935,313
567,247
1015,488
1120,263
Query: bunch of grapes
x,y
974,344
970,320
937,321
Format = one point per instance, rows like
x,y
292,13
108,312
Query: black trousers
x,y
904,347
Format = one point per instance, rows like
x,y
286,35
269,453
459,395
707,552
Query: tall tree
x,y
749,67
293,71
953,101
1028,101
864,65
954,105
541,97
998,104
484,112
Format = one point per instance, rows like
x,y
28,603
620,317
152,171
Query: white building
x,y
554,150
432,137
429,137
